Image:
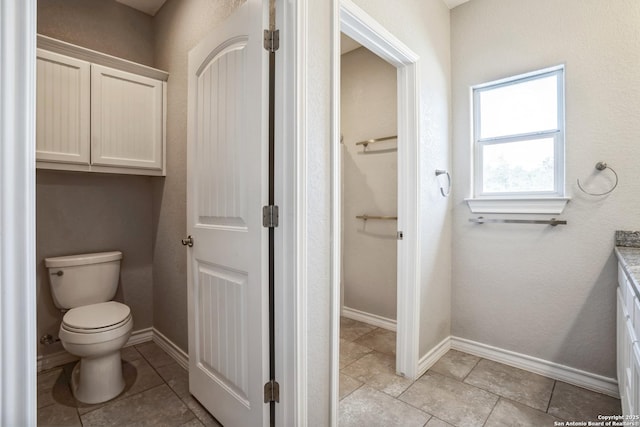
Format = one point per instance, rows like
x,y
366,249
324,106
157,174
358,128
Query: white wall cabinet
x,y
98,113
628,347
62,114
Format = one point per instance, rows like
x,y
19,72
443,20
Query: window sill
x,y
548,205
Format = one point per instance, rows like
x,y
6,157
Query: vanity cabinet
x,y
98,113
628,347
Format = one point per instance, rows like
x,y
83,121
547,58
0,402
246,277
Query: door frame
x,y
357,24
17,214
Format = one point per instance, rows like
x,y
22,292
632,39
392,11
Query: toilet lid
x,y
97,316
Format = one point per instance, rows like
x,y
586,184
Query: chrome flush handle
x,y
188,241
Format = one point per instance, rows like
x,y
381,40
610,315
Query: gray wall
x,y
102,25
82,212
369,183
424,27
179,25
550,292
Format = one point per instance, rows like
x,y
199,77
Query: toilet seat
x,y
96,318
95,324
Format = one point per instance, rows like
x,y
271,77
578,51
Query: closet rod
x,y
372,141
366,217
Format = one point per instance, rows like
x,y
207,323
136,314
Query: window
x,y
519,137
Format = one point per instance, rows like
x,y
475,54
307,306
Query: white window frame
x,y
520,202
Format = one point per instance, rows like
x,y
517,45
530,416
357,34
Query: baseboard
x,y
598,383
138,337
368,318
429,359
172,350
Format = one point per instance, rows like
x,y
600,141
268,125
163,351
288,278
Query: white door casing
x,y
227,187
357,24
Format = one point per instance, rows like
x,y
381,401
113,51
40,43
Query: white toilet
x,y
95,328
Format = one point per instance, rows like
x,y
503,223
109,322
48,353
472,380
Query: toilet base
x,y
97,379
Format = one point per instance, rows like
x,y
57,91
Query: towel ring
x,y
444,172
600,166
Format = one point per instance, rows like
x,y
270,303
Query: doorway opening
x,y
361,28
369,176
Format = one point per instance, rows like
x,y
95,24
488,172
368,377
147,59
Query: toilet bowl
x,y
96,333
94,328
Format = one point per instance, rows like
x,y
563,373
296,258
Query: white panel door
x,y
62,114
227,187
126,119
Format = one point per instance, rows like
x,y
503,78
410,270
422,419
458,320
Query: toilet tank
x,y
83,279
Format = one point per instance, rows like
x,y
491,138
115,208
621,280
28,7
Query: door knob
x,y
188,241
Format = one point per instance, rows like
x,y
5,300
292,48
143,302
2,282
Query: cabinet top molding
x,y
96,57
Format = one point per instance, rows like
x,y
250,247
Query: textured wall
x,y
179,25
424,27
550,292
82,212
102,25
369,183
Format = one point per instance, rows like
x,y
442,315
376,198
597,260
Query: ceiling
x,y
150,7
347,44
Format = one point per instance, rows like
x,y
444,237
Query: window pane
x,y
518,108
523,166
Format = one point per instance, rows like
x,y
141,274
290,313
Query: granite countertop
x,y
628,253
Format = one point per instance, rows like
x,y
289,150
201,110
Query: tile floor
x,y
459,390
156,394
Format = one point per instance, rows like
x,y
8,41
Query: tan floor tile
x,y
155,355
130,353
193,423
58,415
156,407
378,371
450,400
435,422
351,329
348,385
513,414
516,384
455,364
203,415
380,340
350,352
46,382
574,403
177,378
369,407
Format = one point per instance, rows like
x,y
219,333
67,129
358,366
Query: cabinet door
x,y
126,119
62,108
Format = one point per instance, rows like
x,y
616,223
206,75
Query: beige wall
x,y
102,25
550,292
369,183
82,212
424,27
179,25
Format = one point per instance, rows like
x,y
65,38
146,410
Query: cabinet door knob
x,y
188,241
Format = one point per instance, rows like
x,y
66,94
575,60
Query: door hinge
x,y
400,235
270,216
271,392
271,40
